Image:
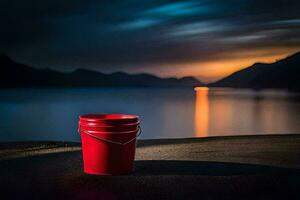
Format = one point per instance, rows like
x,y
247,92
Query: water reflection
x,y
225,111
201,111
165,112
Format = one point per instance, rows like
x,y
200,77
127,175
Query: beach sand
x,y
239,167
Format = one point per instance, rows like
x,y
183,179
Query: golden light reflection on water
x,y
201,112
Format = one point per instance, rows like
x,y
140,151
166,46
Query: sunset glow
x,y
213,70
205,39
201,111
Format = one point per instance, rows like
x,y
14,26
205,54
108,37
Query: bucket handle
x,y
113,142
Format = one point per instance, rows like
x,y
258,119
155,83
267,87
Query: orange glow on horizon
x,y
201,111
210,71
214,70
201,88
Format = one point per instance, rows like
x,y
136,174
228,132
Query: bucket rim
x,y
109,132
105,117
106,125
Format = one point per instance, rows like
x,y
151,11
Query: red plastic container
x,y
109,119
108,128
108,143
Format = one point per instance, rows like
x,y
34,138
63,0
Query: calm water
x,y
51,114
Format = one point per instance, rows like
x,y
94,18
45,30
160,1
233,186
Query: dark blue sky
x,y
205,38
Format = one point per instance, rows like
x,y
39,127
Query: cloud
x,y
144,35
200,29
136,24
288,22
177,9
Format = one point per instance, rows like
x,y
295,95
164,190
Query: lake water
x,y
52,114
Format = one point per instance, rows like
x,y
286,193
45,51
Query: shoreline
x,y
271,144
239,167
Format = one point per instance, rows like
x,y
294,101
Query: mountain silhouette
x,y
283,74
16,75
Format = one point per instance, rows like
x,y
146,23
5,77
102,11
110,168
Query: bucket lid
x,y
109,118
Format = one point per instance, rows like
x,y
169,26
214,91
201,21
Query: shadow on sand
x,y
204,168
57,176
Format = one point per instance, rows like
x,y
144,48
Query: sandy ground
x,y
245,167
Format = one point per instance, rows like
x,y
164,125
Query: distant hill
x,y
16,75
283,74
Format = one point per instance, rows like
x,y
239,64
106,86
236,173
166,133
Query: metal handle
x,y
113,142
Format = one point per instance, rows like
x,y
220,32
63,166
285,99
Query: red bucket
x,y
108,128
108,143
